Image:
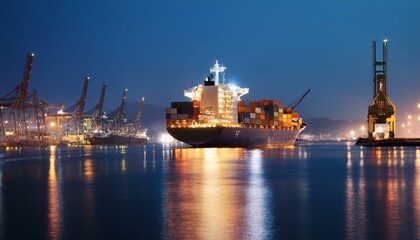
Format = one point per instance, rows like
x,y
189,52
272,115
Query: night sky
x,y
157,49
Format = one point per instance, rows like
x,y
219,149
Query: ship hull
x,y
234,137
114,139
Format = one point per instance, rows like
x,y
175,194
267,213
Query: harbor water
x,y
310,191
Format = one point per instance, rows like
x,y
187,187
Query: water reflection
x,y
416,198
205,193
2,209
355,197
386,191
54,213
135,193
88,170
259,220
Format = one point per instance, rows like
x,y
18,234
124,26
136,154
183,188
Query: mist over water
x,y
311,191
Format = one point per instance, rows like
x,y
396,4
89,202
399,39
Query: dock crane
x,y
118,115
98,113
75,112
15,100
121,110
94,117
381,110
137,124
292,106
25,109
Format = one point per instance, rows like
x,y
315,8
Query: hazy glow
x,y
166,138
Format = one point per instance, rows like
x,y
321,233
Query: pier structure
x,y
381,111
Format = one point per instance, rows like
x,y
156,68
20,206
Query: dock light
x,y
385,40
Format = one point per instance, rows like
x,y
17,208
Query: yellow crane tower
x,y
381,110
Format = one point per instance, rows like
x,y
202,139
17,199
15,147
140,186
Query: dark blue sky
x,y
157,49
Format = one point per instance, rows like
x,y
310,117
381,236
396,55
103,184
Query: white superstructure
x,y
218,102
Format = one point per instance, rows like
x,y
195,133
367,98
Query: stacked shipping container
x,y
267,114
258,114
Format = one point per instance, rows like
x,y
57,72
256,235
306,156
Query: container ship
x,y
217,117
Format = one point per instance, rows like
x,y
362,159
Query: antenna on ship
x,y
216,70
223,78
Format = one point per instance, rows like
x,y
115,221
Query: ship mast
x,y
216,70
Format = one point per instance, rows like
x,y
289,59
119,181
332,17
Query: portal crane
x,y
381,110
292,106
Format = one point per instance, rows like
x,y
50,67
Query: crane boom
x,y
121,112
292,106
100,104
24,85
82,101
138,115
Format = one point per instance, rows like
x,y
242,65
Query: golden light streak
x,y
54,214
207,181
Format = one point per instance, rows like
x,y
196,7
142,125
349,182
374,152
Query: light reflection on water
x,y
355,201
202,203
382,198
54,214
212,193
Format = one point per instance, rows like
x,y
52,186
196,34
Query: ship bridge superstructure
x,y
216,103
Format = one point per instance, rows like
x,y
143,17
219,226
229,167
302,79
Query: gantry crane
x,y
381,110
15,101
117,117
95,116
98,113
25,110
75,113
